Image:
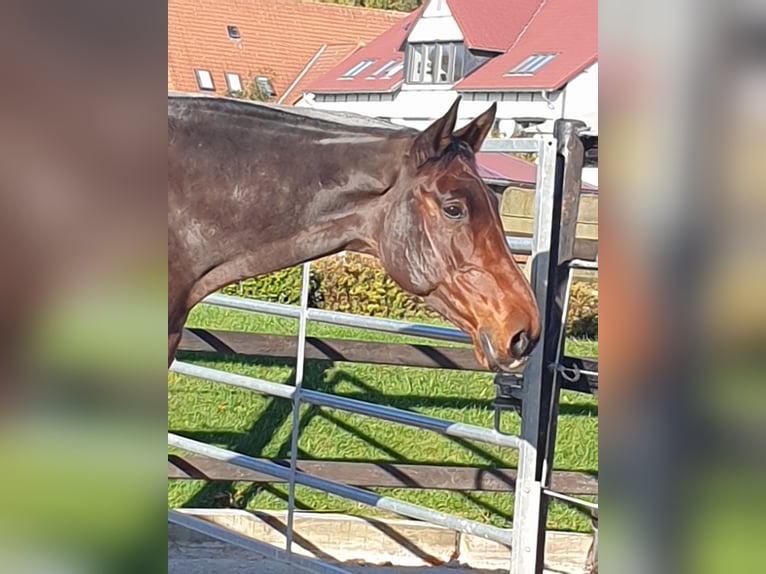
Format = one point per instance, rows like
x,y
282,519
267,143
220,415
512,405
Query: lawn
x,y
260,426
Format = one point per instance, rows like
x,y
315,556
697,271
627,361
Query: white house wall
x,y
582,98
436,23
417,107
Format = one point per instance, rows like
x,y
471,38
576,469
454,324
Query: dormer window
x,y
435,63
233,32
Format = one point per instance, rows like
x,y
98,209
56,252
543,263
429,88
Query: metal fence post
x,y
300,362
556,205
571,152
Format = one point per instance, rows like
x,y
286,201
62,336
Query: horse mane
x,y
180,105
240,112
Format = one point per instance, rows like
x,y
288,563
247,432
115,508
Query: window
x,y
356,70
265,87
459,58
384,68
233,32
233,82
416,64
393,71
432,57
204,80
531,65
442,63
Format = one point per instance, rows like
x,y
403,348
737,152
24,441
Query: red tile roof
x,y
492,25
278,38
381,51
516,28
503,166
567,28
326,58
508,167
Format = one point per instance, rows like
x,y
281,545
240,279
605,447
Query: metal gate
x,y
535,393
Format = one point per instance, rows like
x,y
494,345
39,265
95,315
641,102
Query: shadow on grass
x,y
379,525
219,494
279,412
367,393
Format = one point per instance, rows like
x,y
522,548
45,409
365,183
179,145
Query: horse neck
x,y
325,198
346,210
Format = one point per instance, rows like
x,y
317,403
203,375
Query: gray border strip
x,y
224,535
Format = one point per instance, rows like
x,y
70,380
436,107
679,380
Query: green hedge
x,y
355,283
279,287
358,284
582,316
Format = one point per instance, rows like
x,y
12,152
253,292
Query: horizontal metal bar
x,y
234,380
583,264
224,535
390,414
495,181
512,145
349,492
570,499
340,319
522,245
572,373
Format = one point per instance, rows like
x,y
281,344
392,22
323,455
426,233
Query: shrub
x,y
582,317
358,284
279,287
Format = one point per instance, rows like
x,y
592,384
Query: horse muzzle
x,y
513,357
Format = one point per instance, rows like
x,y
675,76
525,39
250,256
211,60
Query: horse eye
x,y
453,211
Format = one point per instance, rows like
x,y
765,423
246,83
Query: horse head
x,y
441,237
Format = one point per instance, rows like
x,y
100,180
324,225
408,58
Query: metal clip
x,y
508,392
570,374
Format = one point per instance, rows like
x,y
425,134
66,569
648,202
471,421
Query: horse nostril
x,y
520,346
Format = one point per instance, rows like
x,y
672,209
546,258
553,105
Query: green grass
x,y
260,426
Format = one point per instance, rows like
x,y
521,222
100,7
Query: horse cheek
x,y
406,255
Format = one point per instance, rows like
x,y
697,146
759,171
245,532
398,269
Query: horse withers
x,y
254,188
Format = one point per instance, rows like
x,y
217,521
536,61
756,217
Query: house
x,y
222,46
538,59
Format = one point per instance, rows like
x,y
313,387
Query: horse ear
x,y
436,137
474,133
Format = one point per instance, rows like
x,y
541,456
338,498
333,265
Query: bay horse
x,y
254,188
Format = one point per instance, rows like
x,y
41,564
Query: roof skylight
x,y
532,64
384,68
358,69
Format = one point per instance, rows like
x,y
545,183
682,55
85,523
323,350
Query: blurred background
x,y
683,317
82,296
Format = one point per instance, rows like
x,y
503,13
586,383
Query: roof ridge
x,y
351,6
527,25
302,73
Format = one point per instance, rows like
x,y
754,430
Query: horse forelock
x,y
458,148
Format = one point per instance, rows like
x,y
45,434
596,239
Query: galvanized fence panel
x,y
539,406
